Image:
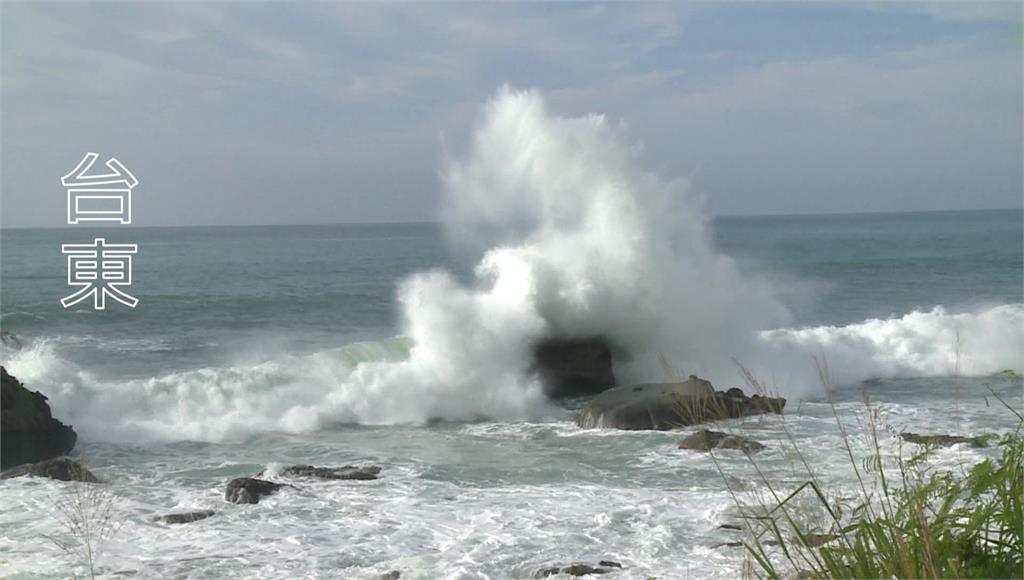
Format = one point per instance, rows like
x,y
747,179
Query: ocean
x,y
253,348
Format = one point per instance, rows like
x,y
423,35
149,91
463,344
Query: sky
x,y
291,113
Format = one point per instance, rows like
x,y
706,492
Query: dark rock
x,y
818,540
609,564
344,472
571,570
740,544
28,431
582,570
186,517
250,490
671,405
945,440
392,575
705,440
61,468
730,527
573,367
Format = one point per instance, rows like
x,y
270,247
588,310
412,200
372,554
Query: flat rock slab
x,y
186,517
250,489
705,440
945,440
603,567
663,406
61,468
344,472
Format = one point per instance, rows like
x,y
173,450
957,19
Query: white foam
x,y
918,344
587,244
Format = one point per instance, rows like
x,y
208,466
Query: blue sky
x,y
238,113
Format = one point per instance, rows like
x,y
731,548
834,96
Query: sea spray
x,y
590,246
573,240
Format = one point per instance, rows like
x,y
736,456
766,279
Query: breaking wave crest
x,y
574,240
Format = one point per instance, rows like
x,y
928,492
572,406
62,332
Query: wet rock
x,y
730,527
392,575
818,540
61,468
671,406
705,440
603,567
345,472
250,490
573,367
28,431
945,440
186,517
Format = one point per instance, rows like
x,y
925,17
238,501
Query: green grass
x,y
905,520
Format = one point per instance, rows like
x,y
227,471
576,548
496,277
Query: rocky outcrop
x,y
671,405
61,468
945,440
345,472
603,567
573,367
28,431
250,490
186,517
705,440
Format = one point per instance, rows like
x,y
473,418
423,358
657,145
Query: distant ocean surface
x,y
229,365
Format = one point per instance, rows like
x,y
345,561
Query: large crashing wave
x,y
576,241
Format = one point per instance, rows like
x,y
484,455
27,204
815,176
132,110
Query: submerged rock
x,y
705,440
250,490
671,405
574,367
186,517
390,575
28,431
345,472
61,468
945,440
604,567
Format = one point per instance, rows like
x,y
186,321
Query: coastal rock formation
x,y
705,440
345,472
671,405
61,468
574,367
186,517
945,440
603,567
28,431
250,490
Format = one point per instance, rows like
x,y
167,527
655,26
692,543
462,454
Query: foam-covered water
x,y
254,348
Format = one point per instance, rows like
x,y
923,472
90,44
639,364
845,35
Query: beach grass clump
x,y
906,519
940,526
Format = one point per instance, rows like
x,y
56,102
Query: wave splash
x,y
575,240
